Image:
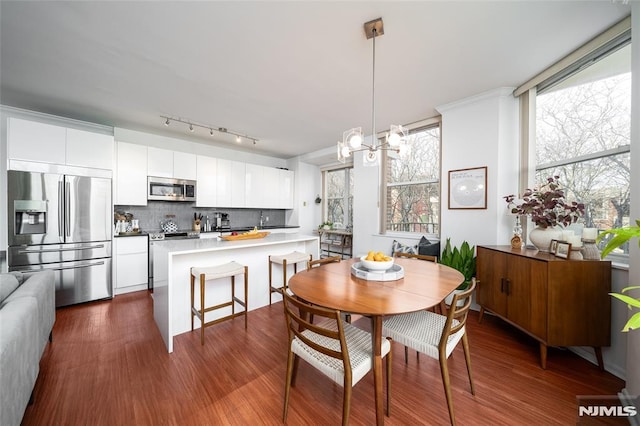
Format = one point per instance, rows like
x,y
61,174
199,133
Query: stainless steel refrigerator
x,y
64,223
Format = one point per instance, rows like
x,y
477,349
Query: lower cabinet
x,y
559,302
131,263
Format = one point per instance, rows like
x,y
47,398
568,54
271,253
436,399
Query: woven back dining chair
x,y
416,256
436,335
323,261
442,306
337,349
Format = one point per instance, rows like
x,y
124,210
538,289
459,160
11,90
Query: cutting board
x,y
245,236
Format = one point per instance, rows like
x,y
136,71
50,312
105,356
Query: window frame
x,y
384,185
347,169
597,49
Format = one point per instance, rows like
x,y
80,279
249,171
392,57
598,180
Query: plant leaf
x,y
633,323
626,299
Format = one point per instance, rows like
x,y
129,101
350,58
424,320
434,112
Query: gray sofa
x,y
27,314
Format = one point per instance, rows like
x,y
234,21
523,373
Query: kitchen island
x,y
173,260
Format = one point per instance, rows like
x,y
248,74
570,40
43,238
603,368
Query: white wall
x,y
306,214
476,132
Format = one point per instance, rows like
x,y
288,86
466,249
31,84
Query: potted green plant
x,y
462,259
621,236
548,209
326,225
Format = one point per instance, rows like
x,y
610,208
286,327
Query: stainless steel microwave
x,y
167,189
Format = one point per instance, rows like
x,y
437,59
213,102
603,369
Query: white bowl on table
x,y
372,265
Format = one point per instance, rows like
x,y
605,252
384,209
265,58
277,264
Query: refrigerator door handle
x,y
67,198
60,209
27,251
84,265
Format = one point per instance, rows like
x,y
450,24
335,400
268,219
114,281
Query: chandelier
x,y
353,139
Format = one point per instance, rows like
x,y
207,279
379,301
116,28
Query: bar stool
x,y
230,269
294,258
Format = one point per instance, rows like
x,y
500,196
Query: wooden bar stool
x,y
230,269
294,258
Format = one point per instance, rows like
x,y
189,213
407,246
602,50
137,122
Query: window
x,y
583,135
338,186
412,185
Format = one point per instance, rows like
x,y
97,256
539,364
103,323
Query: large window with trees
x,y
338,189
411,191
582,134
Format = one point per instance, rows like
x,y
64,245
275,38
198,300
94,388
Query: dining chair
x,y
442,307
337,349
319,262
416,256
436,335
324,261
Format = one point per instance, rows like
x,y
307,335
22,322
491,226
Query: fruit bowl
x,y
372,265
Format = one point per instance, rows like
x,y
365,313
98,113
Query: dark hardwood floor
x,y
108,365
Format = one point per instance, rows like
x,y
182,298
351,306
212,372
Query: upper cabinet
x,y
130,183
268,187
206,190
171,164
47,143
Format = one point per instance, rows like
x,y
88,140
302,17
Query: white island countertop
x,y
173,259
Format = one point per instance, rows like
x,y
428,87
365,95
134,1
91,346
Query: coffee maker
x,y
221,221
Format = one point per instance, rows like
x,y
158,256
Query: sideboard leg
x,y
543,355
598,351
481,314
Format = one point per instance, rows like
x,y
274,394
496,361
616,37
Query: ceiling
x,y
293,75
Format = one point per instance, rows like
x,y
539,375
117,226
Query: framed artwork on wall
x,y
468,188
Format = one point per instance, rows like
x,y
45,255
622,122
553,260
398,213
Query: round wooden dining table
x,y
424,285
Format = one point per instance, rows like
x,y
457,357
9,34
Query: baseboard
x,y
588,354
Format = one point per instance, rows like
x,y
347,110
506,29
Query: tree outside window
x,y
413,185
583,134
339,196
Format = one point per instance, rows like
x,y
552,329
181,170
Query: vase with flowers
x,y
548,210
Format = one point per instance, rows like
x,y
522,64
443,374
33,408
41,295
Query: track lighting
x,y
192,126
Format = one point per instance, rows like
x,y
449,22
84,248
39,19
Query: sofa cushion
x,y
41,286
397,246
8,284
19,357
429,248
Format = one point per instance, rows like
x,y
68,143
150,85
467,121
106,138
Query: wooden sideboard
x,y
558,302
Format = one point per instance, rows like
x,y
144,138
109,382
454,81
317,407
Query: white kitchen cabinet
x,y
206,189
285,182
33,141
255,186
223,183
171,164
159,162
87,149
48,143
131,263
238,176
184,165
130,183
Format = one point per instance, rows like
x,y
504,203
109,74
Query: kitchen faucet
x,y
261,219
